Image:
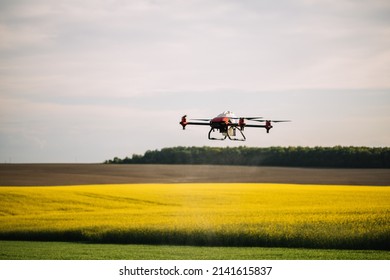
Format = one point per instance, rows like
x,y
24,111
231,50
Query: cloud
x,y
97,68
129,48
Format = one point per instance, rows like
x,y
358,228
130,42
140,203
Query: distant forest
x,y
334,157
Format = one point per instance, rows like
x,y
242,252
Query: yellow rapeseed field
x,y
315,216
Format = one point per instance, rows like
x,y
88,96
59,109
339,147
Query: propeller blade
x,y
258,120
206,120
252,118
247,118
277,121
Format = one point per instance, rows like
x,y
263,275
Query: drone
x,y
229,125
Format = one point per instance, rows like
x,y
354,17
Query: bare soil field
x,y
79,174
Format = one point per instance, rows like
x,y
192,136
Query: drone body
x,y
228,124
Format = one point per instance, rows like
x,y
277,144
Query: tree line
x,y
335,157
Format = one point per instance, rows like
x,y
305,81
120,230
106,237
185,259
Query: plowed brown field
x,y
78,174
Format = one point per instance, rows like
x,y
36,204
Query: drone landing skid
x,y
237,139
213,138
227,134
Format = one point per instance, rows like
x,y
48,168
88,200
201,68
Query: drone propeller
x,y
277,121
247,118
205,120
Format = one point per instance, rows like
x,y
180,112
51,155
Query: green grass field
x,y
25,250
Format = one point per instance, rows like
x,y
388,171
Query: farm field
x,y
89,174
36,250
242,212
271,215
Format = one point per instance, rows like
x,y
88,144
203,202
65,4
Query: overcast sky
x,y
85,81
